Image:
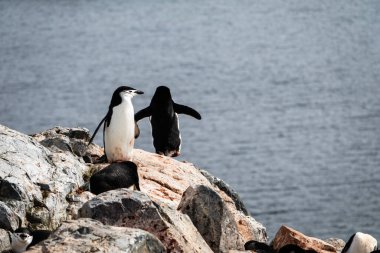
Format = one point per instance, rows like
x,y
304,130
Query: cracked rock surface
x,y
34,181
43,185
86,235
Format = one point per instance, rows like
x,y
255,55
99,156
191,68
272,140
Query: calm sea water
x,y
289,92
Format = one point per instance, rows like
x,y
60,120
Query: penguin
x,y
258,247
119,130
292,248
360,243
114,176
163,113
22,238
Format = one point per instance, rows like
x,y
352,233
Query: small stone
x,y
287,235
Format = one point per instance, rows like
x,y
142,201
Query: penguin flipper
x,y
146,112
96,130
183,109
348,244
137,130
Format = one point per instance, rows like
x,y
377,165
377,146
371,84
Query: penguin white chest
x,y
362,243
119,135
18,244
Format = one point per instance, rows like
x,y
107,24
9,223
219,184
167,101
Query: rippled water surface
x,y
289,92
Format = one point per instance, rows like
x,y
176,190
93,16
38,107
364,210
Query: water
x,y
289,92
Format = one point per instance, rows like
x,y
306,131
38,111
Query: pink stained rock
x,y
287,235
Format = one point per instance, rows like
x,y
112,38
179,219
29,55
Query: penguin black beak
x,y
139,92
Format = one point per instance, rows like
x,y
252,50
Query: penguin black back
x,y
258,247
164,120
115,176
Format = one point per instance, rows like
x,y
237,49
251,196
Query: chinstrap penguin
x,y
115,176
163,113
360,243
120,129
22,238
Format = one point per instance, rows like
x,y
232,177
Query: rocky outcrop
x,y
213,219
127,208
34,181
69,140
287,235
165,180
86,235
43,183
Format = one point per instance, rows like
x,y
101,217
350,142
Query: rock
x,y
127,208
43,182
72,140
287,235
241,251
76,201
86,235
8,218
165,180
337,243
34,181
5,243
212,218
217,182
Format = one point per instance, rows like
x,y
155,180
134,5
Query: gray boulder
x,y
5,243
214,220
8,219
221,185
34,181
70,140
337,243
86,235
127,208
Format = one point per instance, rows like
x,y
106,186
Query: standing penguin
x,y
119,131
360,243
163,113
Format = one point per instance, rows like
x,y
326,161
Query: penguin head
x,y
21,238
123,93
162,94
127,92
